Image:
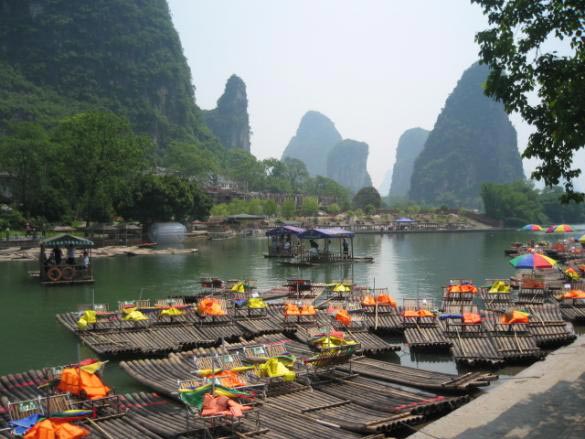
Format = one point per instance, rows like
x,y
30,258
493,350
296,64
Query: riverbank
x,y
543,401
32,254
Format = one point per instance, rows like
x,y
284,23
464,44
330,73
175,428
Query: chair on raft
x,y
231,372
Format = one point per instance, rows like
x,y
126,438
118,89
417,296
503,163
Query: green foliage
x,y
515,203
514,48
165,198
367,196
288,208
255,206
333,209
310,206
100,155
190,160
558,212
115,55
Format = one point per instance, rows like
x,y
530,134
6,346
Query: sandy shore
x,y
32,254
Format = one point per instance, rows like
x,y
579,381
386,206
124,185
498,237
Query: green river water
x,y
406,264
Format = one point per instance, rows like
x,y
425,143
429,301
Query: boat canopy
x,y
65,240
285,230
336,232
405,220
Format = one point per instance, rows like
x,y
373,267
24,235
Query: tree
x,y
514,48
333,209
270,208
32,164
102,157
367,196
189,159
310,206
165,198
515,204
288,208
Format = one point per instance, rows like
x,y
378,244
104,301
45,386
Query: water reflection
x,y
403,263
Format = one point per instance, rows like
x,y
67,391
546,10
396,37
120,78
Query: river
x,y
406,264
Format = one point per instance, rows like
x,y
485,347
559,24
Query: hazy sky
x,y
374,67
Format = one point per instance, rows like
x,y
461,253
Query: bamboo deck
x,y
418,378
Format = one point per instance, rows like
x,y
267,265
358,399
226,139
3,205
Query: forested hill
x,y
121,55
472,142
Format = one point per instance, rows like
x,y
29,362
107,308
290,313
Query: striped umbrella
x,y
532,228
532,261
562,228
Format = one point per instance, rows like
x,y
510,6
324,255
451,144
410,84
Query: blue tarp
x,y
336,232
21,426
285,230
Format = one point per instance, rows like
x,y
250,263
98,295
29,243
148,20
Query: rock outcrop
x,y
472,142
229,122
410,144
347,164
315,138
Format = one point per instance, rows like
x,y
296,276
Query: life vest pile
x,y
471,318
574,294
515,316
380,299
78,381
131,313
291,309
343,317
256,303
54,429
210,306
222,405
89,317
462,288
499,287
409,313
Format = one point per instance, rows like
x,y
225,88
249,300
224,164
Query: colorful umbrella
x,y
551,229
532,261
532,228
582,239
563,228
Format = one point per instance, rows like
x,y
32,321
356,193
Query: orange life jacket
x,y
471,318
75,380
210,306
343,317
291,309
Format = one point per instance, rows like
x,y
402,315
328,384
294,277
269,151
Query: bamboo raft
x,y
514,342
424,334
138,414
339,412
472,345
373,394
418,378
385,320
548,326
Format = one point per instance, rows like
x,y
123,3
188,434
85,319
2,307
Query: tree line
x,y
92,167
520,203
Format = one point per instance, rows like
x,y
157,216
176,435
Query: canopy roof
x,y
336,232
245,216
405,220
285,230
65,240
